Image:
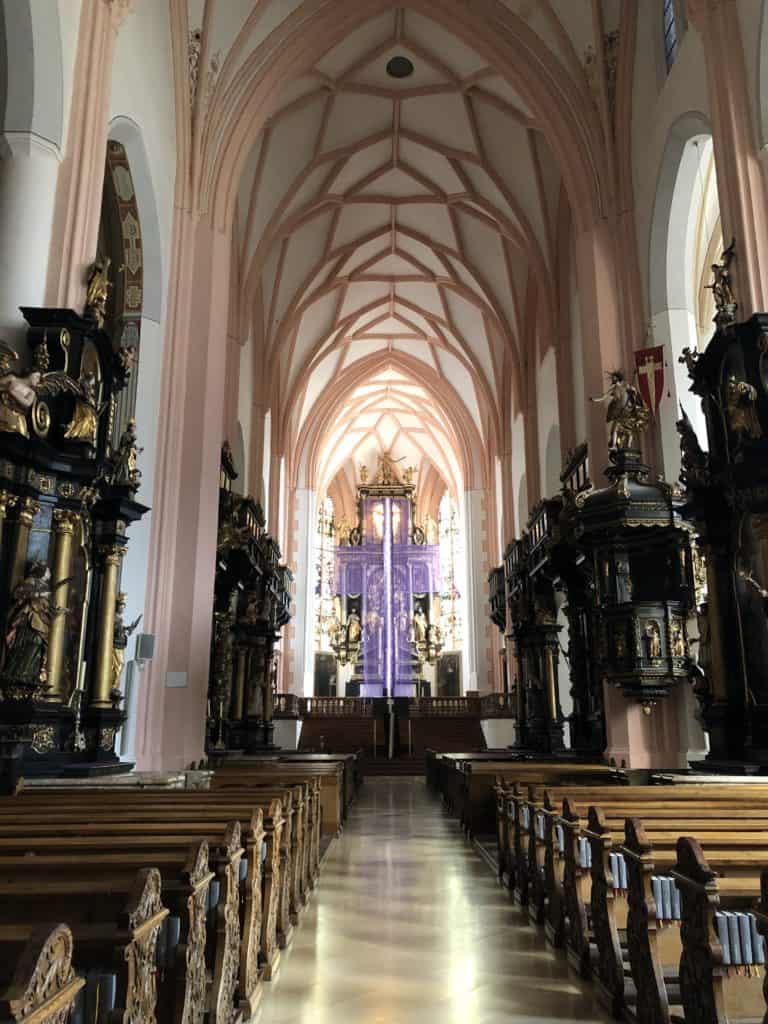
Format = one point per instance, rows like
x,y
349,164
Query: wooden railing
x,y
286,705
336,707
492,705
450,707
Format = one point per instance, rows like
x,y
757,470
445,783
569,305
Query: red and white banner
x,y
650,375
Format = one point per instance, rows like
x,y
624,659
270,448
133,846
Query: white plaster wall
x,y
498,732
305,517
244,402
141,111
659,101
287,733
474,586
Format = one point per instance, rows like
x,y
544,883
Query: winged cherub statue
x,y
19,391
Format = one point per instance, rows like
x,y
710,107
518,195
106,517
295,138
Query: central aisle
x,y
408,926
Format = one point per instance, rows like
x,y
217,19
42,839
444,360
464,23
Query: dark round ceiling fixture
x,y
399,67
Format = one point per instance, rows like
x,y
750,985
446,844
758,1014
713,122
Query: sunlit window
x,y
450,541
324,603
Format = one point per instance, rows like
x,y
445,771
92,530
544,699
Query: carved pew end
x,y
43,986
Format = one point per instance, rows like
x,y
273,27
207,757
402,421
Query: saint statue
x,y
126,472
420,624
98,291
120,636
387,471
354,630
430,529
627,413
29,624
653,639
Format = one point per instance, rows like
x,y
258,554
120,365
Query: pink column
x,y
81,176
172,704
604,348
256,477
740,182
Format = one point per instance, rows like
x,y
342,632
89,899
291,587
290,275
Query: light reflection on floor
x,y
408,926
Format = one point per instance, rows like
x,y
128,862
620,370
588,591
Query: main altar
x,y
386,636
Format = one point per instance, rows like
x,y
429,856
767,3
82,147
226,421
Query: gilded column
x,y
238,700
102,670
64,532
28,509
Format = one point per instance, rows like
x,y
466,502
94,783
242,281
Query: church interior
x,y
384,482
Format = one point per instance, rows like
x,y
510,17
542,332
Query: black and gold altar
x,y
65,508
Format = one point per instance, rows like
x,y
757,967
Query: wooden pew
x,y
592,900
239,773
264,888
680,960
479,799
115,927
38,984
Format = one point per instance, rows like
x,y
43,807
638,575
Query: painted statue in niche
x,y
652,639
85,419
419,624
29,624
354,629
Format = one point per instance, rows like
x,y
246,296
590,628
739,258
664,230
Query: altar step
x,y
397,766
349,733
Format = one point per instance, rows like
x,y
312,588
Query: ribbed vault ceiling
x,y
417,216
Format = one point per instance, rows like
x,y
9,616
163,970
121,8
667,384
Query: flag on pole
x,y
650,375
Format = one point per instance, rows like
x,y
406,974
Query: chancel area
x,y
383,511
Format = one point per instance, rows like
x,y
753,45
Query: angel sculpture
x,y
20,391
627,413
120,637
722,285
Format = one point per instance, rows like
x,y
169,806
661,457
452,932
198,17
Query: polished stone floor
x,y
408,926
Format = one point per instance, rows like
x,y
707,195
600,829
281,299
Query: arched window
x,y
324,575
669,25
686,239
451,558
